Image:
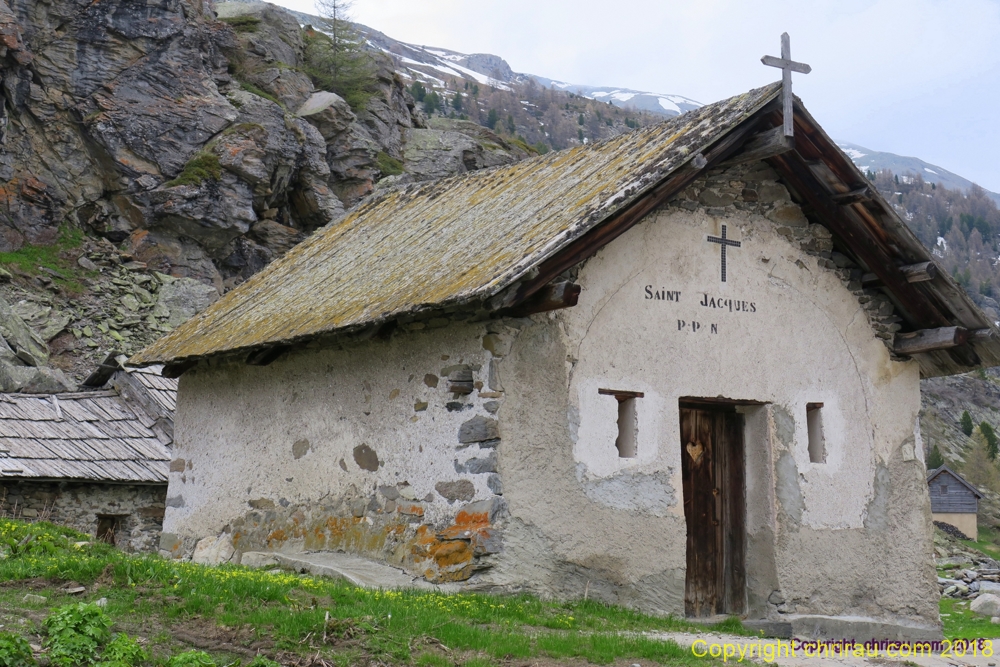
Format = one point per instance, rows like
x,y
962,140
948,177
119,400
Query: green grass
x,y
244,23
250,88
307,615
961,623
30,257
200,168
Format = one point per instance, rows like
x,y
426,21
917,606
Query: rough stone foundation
x,y
392,529
139,508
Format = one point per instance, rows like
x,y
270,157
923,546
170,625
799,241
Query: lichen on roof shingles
x,y
458,239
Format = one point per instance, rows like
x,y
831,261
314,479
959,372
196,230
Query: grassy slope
x,y
239,611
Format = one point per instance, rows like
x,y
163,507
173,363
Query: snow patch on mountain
x,y
907,168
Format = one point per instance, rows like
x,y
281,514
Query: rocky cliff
x,y
162,145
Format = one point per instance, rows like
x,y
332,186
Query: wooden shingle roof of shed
x,y
87,436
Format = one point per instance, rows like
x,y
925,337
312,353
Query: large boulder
x,y
32,379
215,551
173,255
448,147
183,298
987,604
21,345
212,212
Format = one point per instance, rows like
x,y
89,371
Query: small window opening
x,y
108,527
814,423
628,424
942,489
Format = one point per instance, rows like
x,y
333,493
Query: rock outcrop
x,y
191,138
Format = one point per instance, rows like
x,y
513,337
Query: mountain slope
x,y
436,66
869,160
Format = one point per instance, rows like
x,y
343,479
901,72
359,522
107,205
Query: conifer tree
x,y
991,439
432,103
934,458
418,91
966,423
336,59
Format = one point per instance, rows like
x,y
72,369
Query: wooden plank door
x,y
714,506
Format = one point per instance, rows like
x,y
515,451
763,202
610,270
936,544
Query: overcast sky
x,y
912,77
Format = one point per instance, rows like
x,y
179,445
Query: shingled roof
x,y
448,241
496,237
87,436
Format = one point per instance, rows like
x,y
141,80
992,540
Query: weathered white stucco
x,y
270,454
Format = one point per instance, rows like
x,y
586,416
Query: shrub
x,y
245,23
15,651
432,103
966,423
418,91
201,167
76,632
191,659
123,651
261,661
388,165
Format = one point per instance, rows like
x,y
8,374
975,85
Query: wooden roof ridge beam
x,y
762,146
929,340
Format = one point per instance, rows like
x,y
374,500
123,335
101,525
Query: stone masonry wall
x,y
754,188
393,455
78,505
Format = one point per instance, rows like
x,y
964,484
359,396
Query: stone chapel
x,y
677,370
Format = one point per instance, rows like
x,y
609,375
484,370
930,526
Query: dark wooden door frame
x,y
714,474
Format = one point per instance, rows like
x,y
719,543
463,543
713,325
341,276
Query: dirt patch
x,y
210,637
36,584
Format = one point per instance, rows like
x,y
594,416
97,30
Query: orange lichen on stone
x,y
411,509
277,535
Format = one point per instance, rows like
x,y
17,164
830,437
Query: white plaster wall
x,y
236,427
808,341
847,537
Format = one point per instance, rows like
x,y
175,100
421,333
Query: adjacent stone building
x,y
677,370
954,501
91,460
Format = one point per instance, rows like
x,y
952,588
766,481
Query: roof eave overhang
x,y
871,232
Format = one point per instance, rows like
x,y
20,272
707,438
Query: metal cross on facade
x,y
787,66
724,242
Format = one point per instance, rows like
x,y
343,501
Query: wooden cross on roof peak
x,y
787,66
